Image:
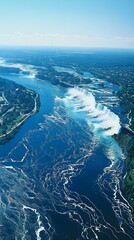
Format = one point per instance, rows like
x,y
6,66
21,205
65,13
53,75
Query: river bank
x,y
126,140
16,106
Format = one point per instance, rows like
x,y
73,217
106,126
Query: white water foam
x,y
24,68
99,117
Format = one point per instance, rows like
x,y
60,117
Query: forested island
x,y
64,79
16,105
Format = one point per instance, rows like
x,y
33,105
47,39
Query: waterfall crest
x,y
83,103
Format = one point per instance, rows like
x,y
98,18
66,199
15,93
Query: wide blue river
x,y
61,175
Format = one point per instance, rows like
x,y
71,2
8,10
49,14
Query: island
x,y
62,78
16,105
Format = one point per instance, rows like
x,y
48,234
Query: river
x,y
61,174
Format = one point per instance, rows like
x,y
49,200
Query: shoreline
x,y
11,133
126,141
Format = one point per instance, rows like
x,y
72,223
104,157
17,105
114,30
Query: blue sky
x,y
80,23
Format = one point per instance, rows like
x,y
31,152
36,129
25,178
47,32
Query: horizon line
x,y
72,47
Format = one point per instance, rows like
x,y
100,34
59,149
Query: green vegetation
x,y
62,78
16,105
127,143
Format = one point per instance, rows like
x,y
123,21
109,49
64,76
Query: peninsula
x,y
16,105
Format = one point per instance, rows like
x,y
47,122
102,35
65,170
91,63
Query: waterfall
x,y
84,105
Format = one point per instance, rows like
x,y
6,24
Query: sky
x,y
71,23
